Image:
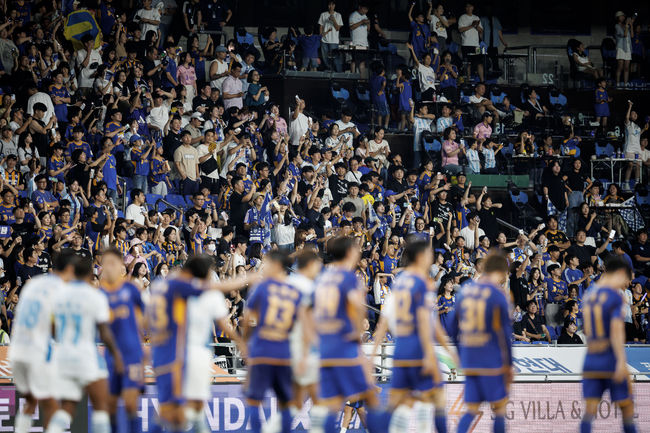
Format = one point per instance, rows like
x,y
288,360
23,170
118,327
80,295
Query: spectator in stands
x,y
420,36
482,104
310,44
568,335
378,96
422,122
641,252
447,74
359,29
533,326
624,31
632,145
426,75
584,64
405,97
213,16
330,23
469,26
451,151
439,25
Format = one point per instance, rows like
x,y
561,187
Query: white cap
x,y
197,115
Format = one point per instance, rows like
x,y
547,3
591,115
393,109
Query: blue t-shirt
x,y
310,45
172,69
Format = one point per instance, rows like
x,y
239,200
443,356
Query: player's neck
x,y
417,270
344,264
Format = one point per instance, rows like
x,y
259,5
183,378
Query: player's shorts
x,y
70,384
310,375
412,379
262,377
34,378
169,384
594,389
347,382
133,377
198,374
355,404
485,388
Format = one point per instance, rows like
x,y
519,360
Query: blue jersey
x,y
409,295
167,316
556,289
335,319
126,306
601,307
274,304
484,330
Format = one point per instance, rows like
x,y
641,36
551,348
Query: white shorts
x,y
70,388
623,55
33,378
198,374
310,374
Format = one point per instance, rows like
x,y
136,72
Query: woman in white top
x,y
426,75
624,33
379,148
283,231
583,64
334,138
439,24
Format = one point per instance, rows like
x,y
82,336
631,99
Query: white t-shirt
x,y
298,127
78,309
221,68
470,38
476,99
86,77
152,14
30,336
135,213
468,235
359,34
437,26
632,138
427,77
204,150
348,135
331,36
158,116
202,312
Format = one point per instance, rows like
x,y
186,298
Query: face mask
x,y
211,248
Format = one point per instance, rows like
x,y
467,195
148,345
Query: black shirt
x,y
396,185
200,101
149,65
338,188
171,142
223,247
584,253
519,289
575,181
489,223
565,338
532,326
238,210
556,190
81,252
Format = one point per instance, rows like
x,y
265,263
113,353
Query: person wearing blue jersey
x,y
338,314
127,310
167,321
605,366
483,338
273,306
416,374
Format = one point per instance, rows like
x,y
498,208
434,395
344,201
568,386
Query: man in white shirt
x,y
347,128
469,26
359,28
30,339
149,18
88,60
159,114
218,67
330,23
232,88
299,123
42,97
136,212
469,233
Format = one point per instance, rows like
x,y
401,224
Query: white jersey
x,y
202,312
78,311
306,288
31,334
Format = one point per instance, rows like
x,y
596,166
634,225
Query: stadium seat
x,y
604,151
152,199
552,333
340,94
176,200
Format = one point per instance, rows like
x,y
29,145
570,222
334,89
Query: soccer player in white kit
x,y
81,313
31,345
202,312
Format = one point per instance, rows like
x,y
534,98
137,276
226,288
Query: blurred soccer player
x,y
167,317
127,310
345,373
203,312
416,375
270,314
81,313
484,342
605,365
29,351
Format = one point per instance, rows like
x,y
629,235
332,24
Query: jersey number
x,y
595,329
280,313
403,305
159,319
473,316
327,301
63,321
29,314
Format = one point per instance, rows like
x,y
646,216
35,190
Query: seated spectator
x,y
447,74
482,104
568,335
584,64
533,326
451,151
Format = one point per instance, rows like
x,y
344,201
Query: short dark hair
x,y
305,257
338,247
616,263
135,192
414,247
280,257
61,260
199,265
112,250
83,268
495,262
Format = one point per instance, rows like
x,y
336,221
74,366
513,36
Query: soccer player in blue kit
x,y
167,318
127,311
345,373
273,306
416,374
483,338
605,365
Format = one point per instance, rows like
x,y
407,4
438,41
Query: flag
x,y
632,216
78,24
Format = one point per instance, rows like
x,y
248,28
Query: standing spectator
x,y
439,24
299,123
624,33
213,16
492,35
232,88
186,160
469,26
191,10
359,28
420,33
426,75
632,146
422,122
378,96
219,68
330,23
87,60
170,73
310,44
257,95
405,99
450,152
186,75
149,19
347,128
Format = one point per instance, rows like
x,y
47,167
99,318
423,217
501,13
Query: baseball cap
x,y
221,49
197,115
389,193
134,138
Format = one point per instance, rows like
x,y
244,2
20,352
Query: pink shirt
x,y
448,147
186,76
482,130
280,125
232,85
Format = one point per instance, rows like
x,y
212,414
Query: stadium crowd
x,y
156,110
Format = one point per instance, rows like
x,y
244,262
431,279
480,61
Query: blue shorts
x,y
262,377
594,388
347,382
412,379
355,404
133,377
485,388
381,107
602,110
170,385
310,62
